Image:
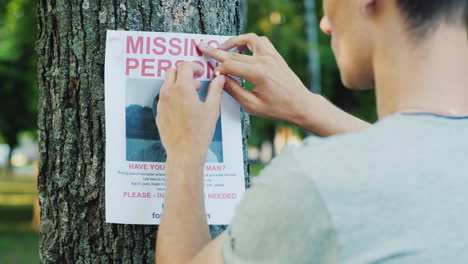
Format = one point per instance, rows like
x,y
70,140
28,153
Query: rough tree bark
x,y
70,48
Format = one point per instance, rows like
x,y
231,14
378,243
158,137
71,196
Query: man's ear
x,y
369,7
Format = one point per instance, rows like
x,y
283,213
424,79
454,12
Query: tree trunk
x,y
313,54
9,168
70,47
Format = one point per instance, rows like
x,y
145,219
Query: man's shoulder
x,y
337,156
374,136
339,147
272,223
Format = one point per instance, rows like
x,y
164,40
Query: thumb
x,y
215,91
238,92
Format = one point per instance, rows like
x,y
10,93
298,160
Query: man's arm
x,y
183,235
278,92
324,119
183,231
186,126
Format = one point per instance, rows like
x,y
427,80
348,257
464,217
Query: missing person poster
x,y
135,67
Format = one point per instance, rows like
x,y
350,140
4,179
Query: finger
x,y
221,55
214,53
230,44
170,76
197,84
242,95
187,71
242,42
169,80
239,69
215,91
266,43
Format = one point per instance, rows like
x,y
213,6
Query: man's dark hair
x,y
422,15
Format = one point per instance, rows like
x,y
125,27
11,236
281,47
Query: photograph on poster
x,y
143,142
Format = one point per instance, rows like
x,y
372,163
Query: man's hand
x,y
186,126
278,92
185,123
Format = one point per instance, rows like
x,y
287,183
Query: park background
x,y
292,26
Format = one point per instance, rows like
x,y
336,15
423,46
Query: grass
x,y
18,240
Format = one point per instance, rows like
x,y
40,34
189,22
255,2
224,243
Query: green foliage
x,y
255,169
289,38
18,93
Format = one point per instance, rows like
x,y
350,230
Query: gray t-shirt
x,y
395,193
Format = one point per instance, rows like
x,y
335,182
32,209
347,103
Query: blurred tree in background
x,y
18,93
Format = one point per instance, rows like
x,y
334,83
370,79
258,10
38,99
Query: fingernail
x,y
202,45
217,73
221,79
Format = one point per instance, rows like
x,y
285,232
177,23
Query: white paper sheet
x,y
135,170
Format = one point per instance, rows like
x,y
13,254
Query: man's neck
x,y
430,77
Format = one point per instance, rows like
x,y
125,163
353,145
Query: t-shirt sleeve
x,y
281,219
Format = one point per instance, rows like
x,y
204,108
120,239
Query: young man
x,y
395,192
